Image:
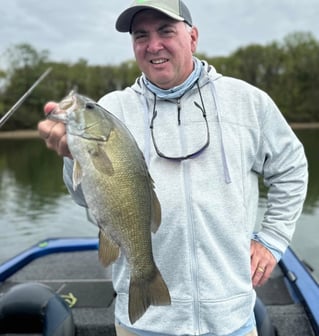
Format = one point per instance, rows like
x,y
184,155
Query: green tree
x,y
300,78
288,71
24,66
24,55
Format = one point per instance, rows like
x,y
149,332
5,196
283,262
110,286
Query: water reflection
x,y
32,171
34,203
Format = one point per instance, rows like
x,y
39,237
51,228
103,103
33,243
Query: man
x,y
205,138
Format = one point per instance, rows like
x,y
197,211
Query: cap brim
x,y
124,21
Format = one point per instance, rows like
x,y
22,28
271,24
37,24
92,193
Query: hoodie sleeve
x,y
282,163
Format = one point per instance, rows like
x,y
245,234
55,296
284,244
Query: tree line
x,y
287,70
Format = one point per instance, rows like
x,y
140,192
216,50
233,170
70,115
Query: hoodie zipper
x,y
192,245
190,226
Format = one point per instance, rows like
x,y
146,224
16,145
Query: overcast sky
x,y
74,29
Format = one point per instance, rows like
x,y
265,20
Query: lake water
x,y
34,204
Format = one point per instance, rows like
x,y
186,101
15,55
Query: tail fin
x,y
146,292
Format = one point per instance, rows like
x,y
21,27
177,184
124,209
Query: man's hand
x,y
262,263
53,133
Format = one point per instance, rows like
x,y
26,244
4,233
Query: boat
x,y
58,288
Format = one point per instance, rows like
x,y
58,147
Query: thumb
x,y
49,107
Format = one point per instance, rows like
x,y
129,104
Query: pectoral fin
x,y
100,159
77,174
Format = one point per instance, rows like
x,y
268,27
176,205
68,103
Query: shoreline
x,y
21,134
32,134
297,125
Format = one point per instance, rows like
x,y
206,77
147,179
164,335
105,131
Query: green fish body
x,y
119,192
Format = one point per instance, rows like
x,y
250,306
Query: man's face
x,y
163,48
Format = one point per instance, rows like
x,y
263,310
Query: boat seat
x,y
32,308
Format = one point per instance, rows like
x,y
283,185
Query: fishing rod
x,y
23,98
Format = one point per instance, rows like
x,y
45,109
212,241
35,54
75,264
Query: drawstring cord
x,y
224,158
147,133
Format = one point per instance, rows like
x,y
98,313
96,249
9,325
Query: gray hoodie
x,y
209,202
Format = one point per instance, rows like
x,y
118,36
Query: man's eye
x,y
140,36
167,32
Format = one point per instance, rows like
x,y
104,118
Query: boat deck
x,y
85,284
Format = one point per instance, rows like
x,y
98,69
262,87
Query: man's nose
x,y
154,44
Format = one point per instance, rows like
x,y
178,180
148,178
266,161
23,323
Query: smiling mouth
x,y
159,61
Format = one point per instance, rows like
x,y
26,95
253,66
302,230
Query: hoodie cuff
x,y
275,252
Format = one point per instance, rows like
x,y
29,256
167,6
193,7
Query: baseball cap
x,y
176,9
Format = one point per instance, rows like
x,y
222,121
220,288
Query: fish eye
x,y
90,106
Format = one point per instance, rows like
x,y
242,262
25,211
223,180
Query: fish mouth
x,y
60,112
68,102
57,115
